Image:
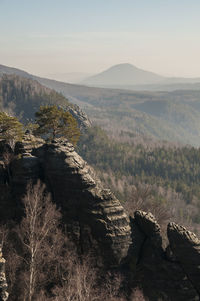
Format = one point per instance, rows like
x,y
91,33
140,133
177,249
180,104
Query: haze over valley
x,y
170,115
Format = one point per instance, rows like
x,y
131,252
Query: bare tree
x,y
85,282
40,221
78,282
44,264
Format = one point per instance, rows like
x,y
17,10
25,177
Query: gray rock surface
x,y
27,145
149,226
186,247
81,196
160,278
25,167
80,116
137,241
96,220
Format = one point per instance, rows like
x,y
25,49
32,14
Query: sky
x,y
46,37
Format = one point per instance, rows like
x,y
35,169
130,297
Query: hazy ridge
x,y
165,115
127,76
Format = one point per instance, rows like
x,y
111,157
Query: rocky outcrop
x,y
149,226
93,213
24,168
25,147
160,277
186,247
80,116
82,198
96,220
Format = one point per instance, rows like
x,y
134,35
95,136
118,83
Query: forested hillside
x,y
172,116
171,172
22,97
147,174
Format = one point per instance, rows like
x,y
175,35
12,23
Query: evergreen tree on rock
x,y
53,122
11,130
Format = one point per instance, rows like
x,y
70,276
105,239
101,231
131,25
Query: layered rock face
x,y
24,168
82,198
97,220
162,277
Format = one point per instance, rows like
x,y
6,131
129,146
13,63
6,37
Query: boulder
x,y
149,226
186,247
160,278
96,219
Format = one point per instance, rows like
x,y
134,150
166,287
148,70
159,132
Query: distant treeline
x,y
22,97
171,167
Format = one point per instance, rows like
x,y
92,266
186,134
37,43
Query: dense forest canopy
x,y
168,166
154,176
133,156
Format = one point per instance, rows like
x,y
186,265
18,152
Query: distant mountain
x,y
123,75
165,115
70,89
129,77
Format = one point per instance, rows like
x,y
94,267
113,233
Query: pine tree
x,y
54,122
11,130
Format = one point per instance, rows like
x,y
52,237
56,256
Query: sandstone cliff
x,y
96,219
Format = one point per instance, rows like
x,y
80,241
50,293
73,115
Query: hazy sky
x,y
61,36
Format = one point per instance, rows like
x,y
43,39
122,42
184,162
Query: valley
x,y
171,116
145,151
